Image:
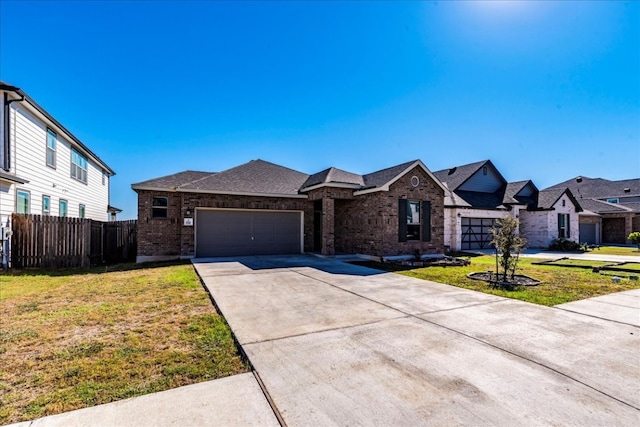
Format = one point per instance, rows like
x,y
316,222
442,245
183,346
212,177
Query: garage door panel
x,y
475,233
234,232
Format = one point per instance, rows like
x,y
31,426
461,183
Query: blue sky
x,y
546,90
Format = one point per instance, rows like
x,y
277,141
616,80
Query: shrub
x,y
564,245
635,238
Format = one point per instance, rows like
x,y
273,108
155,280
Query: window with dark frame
x,y
563,226
79,166
51,148
159,207
414,220
46,205
81,211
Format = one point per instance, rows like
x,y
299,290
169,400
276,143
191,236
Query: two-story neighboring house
x,y
44,168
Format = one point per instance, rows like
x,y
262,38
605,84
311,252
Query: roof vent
x,y
627,190
579,179
452,170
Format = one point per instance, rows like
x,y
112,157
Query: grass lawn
x,y
560,284
73,339
616,250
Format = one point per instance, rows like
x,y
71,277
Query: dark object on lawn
x,y
595,270
565,245
513,282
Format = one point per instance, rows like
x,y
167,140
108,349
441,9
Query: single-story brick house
x,y
478,195
263,208
611,208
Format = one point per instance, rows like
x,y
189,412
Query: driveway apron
x,y
339,344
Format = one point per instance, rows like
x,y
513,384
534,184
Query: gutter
x,y
6,164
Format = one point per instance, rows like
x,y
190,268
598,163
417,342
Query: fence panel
x,y
55,242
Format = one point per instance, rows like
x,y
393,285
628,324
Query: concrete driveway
x,y
338,344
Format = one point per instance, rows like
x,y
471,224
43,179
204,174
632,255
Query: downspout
x,y
7,128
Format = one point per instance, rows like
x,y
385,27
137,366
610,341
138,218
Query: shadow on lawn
x,y
59,272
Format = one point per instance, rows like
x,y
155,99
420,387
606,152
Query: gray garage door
x,y
233,233
475,233
588,233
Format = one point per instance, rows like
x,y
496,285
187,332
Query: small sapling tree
x,y
508,244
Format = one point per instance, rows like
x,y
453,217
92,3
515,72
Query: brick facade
x,y
365,224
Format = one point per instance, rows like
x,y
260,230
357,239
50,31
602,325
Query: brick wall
x,y
169,237
368,224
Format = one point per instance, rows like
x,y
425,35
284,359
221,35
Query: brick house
x,y
263,208
611,208
478,195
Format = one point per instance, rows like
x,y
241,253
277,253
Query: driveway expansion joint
x,y
594,316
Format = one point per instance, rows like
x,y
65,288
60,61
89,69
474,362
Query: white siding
x,y
28,140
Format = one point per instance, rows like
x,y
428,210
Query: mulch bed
x,y
511,283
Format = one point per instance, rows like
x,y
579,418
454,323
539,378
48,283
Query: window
x,y
51,148
414,220
159,207
485,170
22,202
614,200
78,166
81,211
46,205
63,207
563,226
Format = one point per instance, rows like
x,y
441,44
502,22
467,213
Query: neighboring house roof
x,y
514,193
262,178
456,176
589,190
548,198
599,188
74,140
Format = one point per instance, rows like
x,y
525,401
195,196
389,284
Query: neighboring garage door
x,y
588,233
475,233
237,232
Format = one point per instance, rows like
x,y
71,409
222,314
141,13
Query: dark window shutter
x,y
402,220
426,221
559,225
567,226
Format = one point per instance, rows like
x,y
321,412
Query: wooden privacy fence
x,y
56,242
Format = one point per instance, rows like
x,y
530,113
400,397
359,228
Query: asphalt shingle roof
x,y
256,177
601,188
334,175
454,177
383,176
175,180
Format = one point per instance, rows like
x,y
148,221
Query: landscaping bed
x,y
77,338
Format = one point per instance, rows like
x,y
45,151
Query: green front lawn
x,y
560,284
73,339
616,250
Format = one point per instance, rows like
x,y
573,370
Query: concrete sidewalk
x,y
623,307
338,344
231,401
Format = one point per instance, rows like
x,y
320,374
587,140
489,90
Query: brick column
x,y
328,216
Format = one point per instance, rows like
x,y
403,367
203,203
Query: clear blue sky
x,y
546,90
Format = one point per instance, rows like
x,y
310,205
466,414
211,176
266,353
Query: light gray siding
x,y
480,182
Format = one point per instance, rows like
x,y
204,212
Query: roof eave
x,y
331,184
60,128
386,186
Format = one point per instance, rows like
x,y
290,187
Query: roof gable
x,y
381,180
480,176
549,197
333,176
